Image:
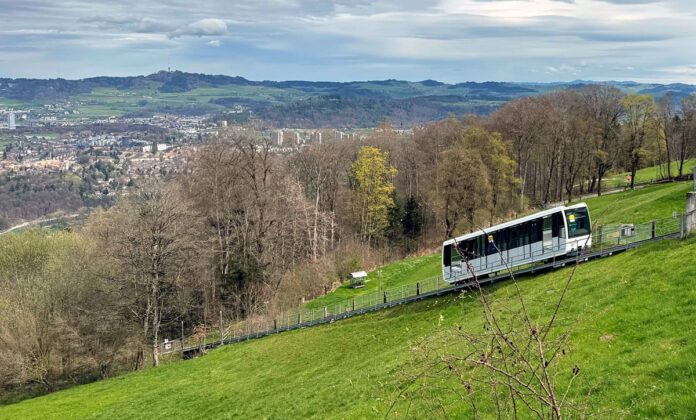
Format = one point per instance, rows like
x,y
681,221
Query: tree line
x,y
245,231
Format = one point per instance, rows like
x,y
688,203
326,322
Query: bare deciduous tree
x,y
152,239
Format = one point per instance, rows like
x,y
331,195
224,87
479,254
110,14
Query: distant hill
x,y
292,103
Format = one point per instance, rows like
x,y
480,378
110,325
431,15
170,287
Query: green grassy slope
x,y
631,318
641,205
652,173
407,271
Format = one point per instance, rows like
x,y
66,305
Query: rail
x,y
606,241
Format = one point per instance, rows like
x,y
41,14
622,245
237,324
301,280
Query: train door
x,y
535,237
447,259
547,235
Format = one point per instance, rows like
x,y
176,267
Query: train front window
x,y
578,222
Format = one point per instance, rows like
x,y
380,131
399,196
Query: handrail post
x,y
222,332
182,339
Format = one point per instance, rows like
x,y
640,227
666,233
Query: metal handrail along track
x,y
555,263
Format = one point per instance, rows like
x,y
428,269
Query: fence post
x,y
182,339
222,331
299,318
326,312
418,289
353,304
654,229
275,324
385,297
690,215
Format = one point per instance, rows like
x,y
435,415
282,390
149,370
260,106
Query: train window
x,y
491,244
547,223
524,233
502,239
447,256
578,222
471,249
466,249
514,237
536,230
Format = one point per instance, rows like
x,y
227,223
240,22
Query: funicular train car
x,y
548,234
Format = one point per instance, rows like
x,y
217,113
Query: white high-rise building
x,y
11,122
277,138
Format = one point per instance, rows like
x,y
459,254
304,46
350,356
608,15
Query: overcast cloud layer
x,y
447,40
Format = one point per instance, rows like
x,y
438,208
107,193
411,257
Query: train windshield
x,y
578,222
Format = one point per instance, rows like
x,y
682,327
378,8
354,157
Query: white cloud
x,y
687,70
452,40
203,27
565,69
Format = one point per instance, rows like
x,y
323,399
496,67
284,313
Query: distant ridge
x,y
300,103
178,81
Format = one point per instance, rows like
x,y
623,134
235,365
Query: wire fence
x,y
606,239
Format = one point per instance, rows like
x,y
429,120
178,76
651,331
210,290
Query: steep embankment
x,y
631,318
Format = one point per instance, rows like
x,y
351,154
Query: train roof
x,y
514,222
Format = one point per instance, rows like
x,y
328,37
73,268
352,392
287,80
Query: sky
x,y
343,40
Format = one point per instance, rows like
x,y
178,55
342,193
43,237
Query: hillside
x,y
650,174
639,206
286,103
628,316
349,369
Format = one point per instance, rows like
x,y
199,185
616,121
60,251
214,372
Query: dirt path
x,y
39,221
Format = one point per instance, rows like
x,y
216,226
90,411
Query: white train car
x,y
538,237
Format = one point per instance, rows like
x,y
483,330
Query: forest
x,y
247,232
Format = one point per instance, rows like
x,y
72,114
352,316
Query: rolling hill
x,y
629,317
286,103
